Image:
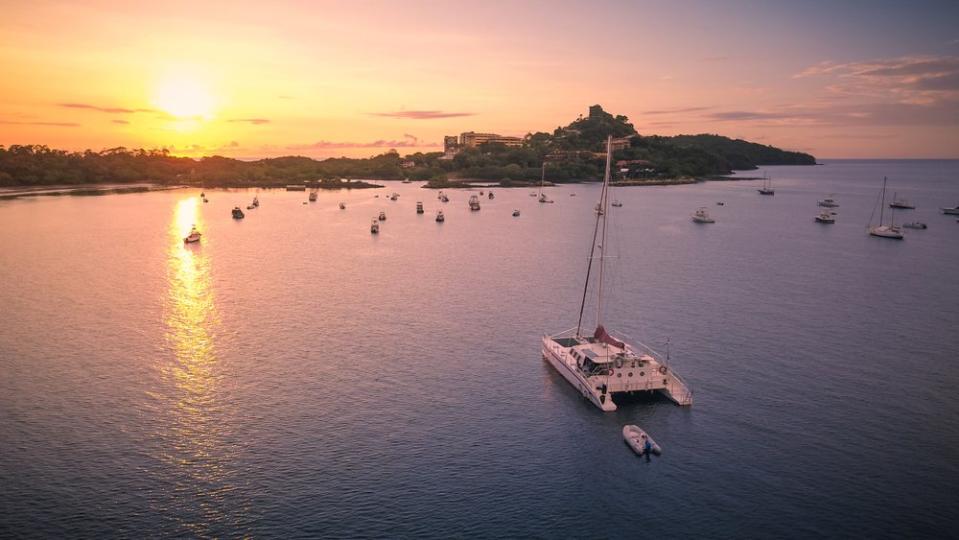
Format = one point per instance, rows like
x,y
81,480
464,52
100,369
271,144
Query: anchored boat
x,y
597,364
640,441
193,237
884,231
701,215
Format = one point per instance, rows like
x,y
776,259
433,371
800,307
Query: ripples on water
x,y
294,376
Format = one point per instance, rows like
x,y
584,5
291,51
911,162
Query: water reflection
x,y
195,409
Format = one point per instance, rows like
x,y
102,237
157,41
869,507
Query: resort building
x,y
471,139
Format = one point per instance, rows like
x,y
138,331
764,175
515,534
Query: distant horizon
x,y
328,79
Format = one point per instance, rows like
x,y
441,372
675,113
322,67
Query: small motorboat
x,y
256,202
394,196
490,195
544,199
250,207
639,441
342,206
954,211
313,196
515,213
598,209
572,194
440,218
532,194
826,217
701,215
206,200
407,181
915,225
237,213
193,237
720,203
375,227
202,194
419,208
829,202
481,193
382,216
440,195
474,203
900,203
617,204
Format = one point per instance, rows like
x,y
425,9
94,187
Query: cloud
x,y
422,115
109,110
907,79
120,121
52,124
680,110
254,121
408,141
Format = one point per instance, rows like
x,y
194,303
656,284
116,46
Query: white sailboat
x,y
885,231
597,364
542,181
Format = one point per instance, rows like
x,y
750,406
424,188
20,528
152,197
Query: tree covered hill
x,y
571,153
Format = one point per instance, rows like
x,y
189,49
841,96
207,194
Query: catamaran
x,y
885,231
599,365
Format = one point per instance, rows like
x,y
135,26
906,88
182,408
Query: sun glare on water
x,y
184,98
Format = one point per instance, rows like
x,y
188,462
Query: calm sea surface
x,y
293,375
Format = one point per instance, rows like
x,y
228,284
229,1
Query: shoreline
x,y
93,190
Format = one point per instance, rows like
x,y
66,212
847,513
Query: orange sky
x,y
327,79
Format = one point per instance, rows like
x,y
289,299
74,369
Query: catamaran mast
x,y
600,216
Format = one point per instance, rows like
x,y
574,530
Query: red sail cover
x,y
602,335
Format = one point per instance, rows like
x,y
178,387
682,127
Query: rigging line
x,y
592,248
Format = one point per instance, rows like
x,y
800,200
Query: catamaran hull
x,y
580,383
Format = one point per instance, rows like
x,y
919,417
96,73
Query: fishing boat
x,y
515,213
193,237
440,218
342,206
701,215
237,213
375,227
639,441
884,231
954,211
419,208
915,225
474,203
829,202
382,216
901,204
313,194
767,188
597,364
825,216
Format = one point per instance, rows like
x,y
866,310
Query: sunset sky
x,y
256,79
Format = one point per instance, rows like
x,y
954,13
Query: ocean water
x,y
295,376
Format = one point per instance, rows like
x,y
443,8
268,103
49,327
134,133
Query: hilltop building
x,y
472,139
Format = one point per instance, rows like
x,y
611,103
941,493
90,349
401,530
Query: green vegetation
x,y
572,153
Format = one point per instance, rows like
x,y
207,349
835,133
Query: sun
x,y
183,98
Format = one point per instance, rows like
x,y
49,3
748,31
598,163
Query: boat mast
x,y
882,201
603,209
542,179
592,248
